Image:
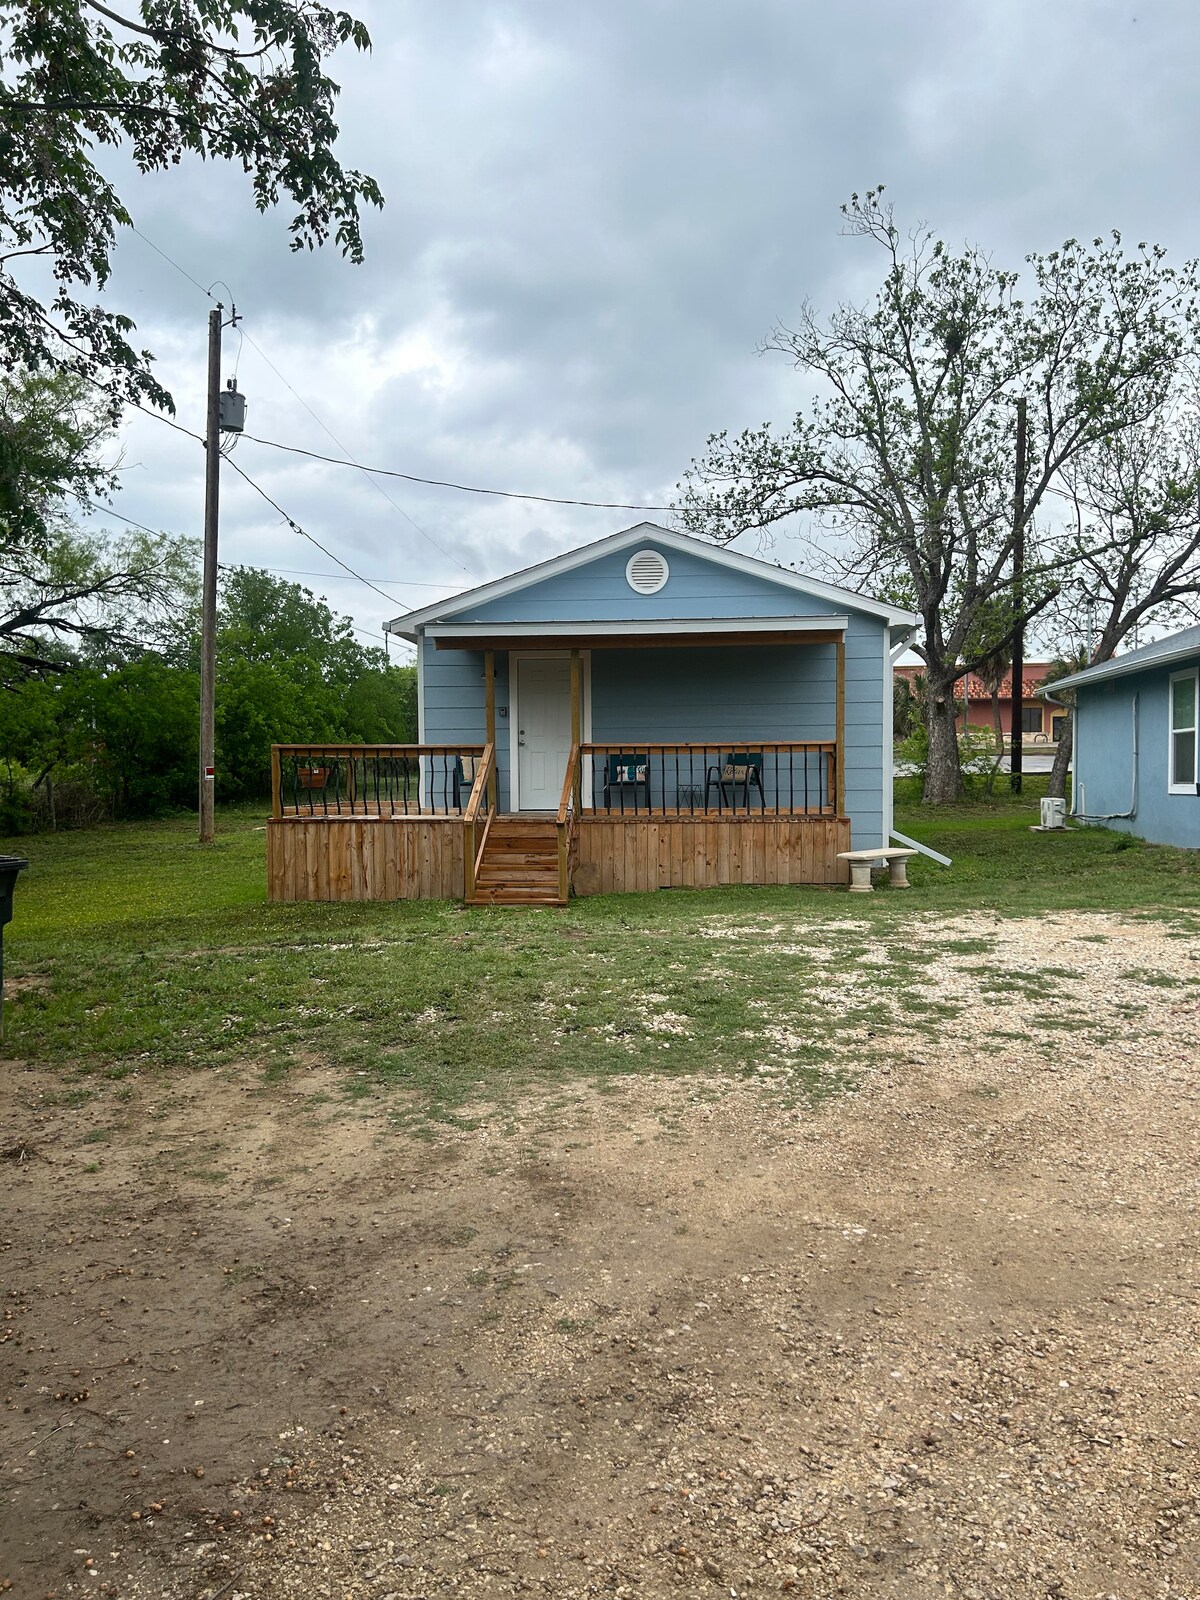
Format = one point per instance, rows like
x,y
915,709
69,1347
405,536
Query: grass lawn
x,y
135,950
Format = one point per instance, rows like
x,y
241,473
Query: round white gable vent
x,y
646,572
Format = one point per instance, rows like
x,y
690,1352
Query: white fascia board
x,y
899,645
1120,667
642,627
407,624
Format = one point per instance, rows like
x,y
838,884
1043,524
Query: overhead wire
x,y
378,486
396,583
242,334
172,263
225,566
304,534
389,472
444,483
274,504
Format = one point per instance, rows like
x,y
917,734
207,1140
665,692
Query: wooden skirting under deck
x,y
421,858
624,856
365,858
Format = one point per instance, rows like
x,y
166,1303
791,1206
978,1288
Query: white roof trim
x,y
407,624
641,626
1123,667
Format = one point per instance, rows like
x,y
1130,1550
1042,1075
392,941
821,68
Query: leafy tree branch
x,y
242,81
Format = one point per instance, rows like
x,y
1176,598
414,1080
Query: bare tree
x,y
910,448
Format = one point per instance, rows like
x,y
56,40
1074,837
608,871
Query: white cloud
x,y
594,214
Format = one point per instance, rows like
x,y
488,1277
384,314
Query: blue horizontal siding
x,y
696,587
727,699
722,695
1104,765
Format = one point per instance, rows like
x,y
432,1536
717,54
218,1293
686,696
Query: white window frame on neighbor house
x,y
1189,785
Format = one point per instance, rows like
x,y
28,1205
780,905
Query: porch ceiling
x,y
639,634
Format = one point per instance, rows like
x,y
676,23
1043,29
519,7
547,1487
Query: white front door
x,y
543,712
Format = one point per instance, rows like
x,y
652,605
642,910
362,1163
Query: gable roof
x,y
440,610
1162,653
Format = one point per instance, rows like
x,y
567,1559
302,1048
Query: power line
x,y
108,511
304,534
160,416
322,425
171,263
287,572
291,522
387,472
372,633
399,583
443,483
250,339
369,633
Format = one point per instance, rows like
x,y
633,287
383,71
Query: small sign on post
x,y
9,867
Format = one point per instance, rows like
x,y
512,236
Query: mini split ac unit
x,y
1054,813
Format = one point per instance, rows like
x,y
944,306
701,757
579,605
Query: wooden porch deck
x,y
383,825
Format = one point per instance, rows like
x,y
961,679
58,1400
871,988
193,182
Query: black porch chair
x,y
741,771
627,770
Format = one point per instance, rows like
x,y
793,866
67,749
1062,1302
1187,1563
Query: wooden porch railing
x,y
482,798
567,823
373,780
746,777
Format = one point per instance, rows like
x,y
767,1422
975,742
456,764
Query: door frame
x,y
515,657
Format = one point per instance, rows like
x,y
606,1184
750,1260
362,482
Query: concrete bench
x,y
894,858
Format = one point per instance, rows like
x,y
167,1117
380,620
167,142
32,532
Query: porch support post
x,y
576,717
840,734
489,682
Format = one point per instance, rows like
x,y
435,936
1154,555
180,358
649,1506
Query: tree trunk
x,y
1062,760
943,774
996,728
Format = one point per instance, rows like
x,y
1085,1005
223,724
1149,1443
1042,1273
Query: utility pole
x,y
226,414
1016,759
208,626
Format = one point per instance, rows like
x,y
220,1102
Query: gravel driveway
x,y
935,1335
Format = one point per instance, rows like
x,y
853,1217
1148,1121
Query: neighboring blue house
x,y
1136,741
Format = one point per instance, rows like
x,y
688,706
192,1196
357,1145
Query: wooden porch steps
x,y
520,864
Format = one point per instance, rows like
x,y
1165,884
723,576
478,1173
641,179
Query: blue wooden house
x,y
1135,753
648,711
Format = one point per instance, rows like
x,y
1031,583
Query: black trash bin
x,y
9,867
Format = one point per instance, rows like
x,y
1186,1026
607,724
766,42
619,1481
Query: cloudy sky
x,y
594,214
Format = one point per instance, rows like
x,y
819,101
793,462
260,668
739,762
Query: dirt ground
x,y
936,1336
